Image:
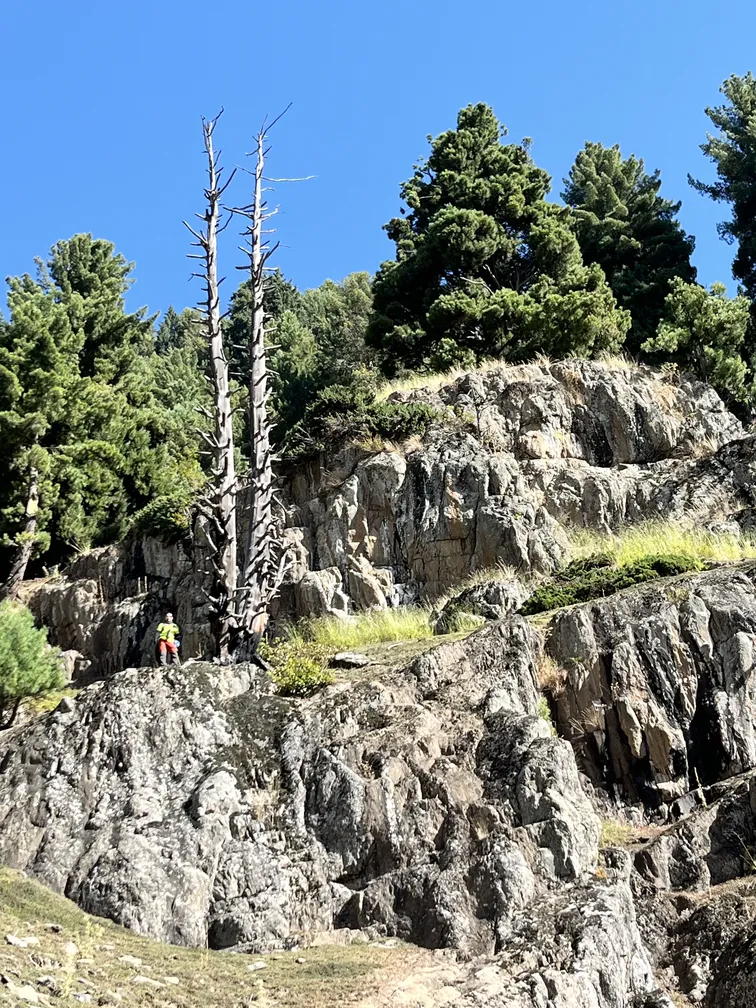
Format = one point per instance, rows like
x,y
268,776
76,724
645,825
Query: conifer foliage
x,y
486,266
28,666
629,230
84,421
733,150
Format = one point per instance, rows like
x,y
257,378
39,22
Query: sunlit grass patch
x,y
434,382
615,833
376,626
88,955
635,542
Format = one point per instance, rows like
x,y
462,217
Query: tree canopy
x,y
629,230
486,266
83,399
733,150
704,332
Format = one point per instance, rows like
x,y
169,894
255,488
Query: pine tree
x,y
630,231
486,267
178,330
704,332
82,406
28,666
733,151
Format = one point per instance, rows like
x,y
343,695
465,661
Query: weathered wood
x,y
264,556
220,517
26,539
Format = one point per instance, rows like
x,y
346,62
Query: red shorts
x,y
168,647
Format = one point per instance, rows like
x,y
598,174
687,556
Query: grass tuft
x,y
635,542
377,626
551,677
615,833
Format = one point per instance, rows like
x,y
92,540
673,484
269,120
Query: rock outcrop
x,y
434,803
526,451
659,690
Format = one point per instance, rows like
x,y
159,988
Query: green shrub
x,y
339,414
167,518
298,668
544,713
28,666
584,580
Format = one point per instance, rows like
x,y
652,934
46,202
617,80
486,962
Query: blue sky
x,y
103,104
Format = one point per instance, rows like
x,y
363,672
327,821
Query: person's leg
x,y
163,647
173,651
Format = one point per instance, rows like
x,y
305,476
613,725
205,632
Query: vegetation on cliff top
x,y
28,665
98,405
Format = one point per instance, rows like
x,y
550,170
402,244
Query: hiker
x,y
168,642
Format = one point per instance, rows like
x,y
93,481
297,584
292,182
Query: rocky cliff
x,y
434,802
524,453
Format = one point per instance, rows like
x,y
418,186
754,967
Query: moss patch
x,y
598,576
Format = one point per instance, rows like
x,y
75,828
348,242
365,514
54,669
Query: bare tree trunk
x,y
26,539
12,706
219,514
264,556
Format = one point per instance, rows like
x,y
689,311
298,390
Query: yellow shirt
x,y
168,632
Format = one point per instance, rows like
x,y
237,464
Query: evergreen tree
x,y
28,666
486,267
338,314
733,151
317,340
177,330
83,403
630,231
704,332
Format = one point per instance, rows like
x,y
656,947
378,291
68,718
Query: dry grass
x,y
426,382
434,382
552,678
704,447
618,362
376,626
654,538
528,370
616,833
330,976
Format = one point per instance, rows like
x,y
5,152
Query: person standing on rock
x,y
168,642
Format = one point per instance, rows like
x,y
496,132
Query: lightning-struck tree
x,y
264,560
218,507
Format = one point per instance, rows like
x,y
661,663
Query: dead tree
x,y
25,541
265,558
218,506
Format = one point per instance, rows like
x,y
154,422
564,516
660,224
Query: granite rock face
x,y
433,802
525,451
659,687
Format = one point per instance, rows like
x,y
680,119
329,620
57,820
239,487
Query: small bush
x,y
167,518
458,620
339,414
544,713
28,665
551,677
376,626
582,581
297,668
